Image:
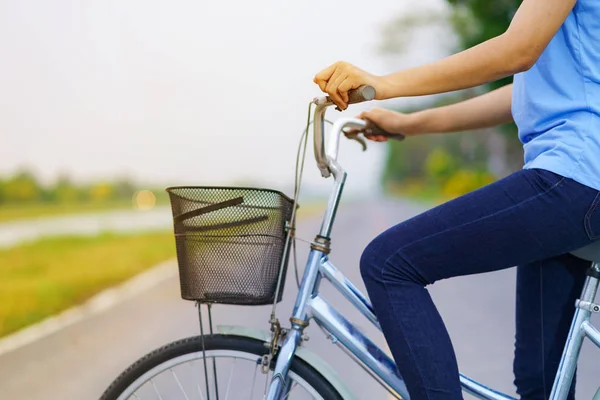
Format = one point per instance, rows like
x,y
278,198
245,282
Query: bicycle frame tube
x,y
580,328
350,292
371,357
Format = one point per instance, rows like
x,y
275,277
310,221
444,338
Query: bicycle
x,y
243,225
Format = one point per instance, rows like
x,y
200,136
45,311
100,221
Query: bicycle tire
x,y
214,342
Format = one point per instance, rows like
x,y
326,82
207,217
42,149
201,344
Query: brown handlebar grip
x,y
372,130
360,94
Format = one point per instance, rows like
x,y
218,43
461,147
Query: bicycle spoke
x,y
179,384
215,377
192,363
187,383
288,393
230,378
156,390
254,381
200,392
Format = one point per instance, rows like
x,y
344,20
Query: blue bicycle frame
x,y
311,305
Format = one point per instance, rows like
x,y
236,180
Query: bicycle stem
x,y
334,199
358,95
327,157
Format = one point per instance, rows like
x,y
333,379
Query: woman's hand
x,y
337,79
390,121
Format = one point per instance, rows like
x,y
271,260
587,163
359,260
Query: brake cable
x,y
276,331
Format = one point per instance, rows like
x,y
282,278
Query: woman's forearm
x,y
492,60
487,110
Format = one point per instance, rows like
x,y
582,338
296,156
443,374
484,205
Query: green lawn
x,y
42,278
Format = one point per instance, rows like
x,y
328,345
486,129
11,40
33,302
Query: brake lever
x,y
373,130
353,134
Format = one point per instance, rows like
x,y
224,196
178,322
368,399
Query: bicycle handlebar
x,y
362,93
359,95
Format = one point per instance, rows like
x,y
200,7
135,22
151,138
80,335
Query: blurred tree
x,y
2,191
476,21
464,181
100,192
440,164
123,189
65,191
22,187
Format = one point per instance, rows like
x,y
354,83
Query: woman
x,y
532,218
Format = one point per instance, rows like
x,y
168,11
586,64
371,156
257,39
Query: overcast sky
x,y
180,91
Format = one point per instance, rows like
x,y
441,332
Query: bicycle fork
x,y
279,383
320,248
580,328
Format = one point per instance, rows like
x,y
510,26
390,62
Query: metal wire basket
x,y
230,243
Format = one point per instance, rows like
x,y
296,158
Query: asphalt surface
x,y
80,361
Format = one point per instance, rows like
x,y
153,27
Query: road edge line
x,y
97,304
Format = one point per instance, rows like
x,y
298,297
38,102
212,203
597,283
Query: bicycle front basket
x,y
230,243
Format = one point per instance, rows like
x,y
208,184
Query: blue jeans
x,y
532,219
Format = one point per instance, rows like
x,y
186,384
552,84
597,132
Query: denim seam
x,y
474,221
551,186
383,280
588,218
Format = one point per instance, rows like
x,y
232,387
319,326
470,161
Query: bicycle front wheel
x,y
177,371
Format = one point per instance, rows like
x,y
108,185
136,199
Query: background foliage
x,y
451,165
23,188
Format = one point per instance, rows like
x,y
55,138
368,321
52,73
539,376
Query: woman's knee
x,y
370,261
384,258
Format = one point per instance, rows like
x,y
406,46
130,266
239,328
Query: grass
x,y
29,211
42,278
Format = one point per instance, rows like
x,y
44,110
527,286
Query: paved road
x,y
12,233
79,362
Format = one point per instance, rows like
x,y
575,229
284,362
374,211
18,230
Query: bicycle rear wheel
x,y
176,371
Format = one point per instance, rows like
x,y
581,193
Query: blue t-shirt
x,y
556,104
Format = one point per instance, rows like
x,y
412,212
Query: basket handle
x,y
226,225
208,209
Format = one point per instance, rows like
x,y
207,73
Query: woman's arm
x,y
516,50
489,109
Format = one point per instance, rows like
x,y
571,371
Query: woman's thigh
x,y
527,216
